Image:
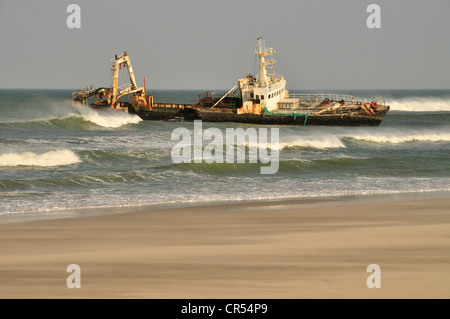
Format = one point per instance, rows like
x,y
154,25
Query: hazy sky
x,y
208,44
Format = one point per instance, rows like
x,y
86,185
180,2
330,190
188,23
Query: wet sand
x,y
303,249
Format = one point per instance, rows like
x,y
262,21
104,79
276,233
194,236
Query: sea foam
x,y
107,117
51,158
309,141
420,104
404,137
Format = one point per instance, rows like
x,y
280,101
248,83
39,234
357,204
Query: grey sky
x,y
208,44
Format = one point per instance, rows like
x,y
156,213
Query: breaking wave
x,y
48,159
398,138
337,141
108,117
420,104
87,119
321,142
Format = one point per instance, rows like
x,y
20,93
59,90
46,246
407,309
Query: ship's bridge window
x,y
262,97
257,96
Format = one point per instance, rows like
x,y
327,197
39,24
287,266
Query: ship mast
x,y
262,52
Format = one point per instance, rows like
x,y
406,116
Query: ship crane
x,y
117,92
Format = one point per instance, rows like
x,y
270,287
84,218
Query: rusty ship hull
x,y
315,110
207,115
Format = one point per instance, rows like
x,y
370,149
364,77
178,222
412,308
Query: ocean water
x,y
53,159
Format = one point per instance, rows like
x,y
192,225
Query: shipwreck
x,y
255,99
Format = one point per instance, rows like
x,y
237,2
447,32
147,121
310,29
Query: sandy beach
x,y
296,249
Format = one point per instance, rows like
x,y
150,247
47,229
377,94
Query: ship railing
x,y
313,110
271,79
83,93
317,97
